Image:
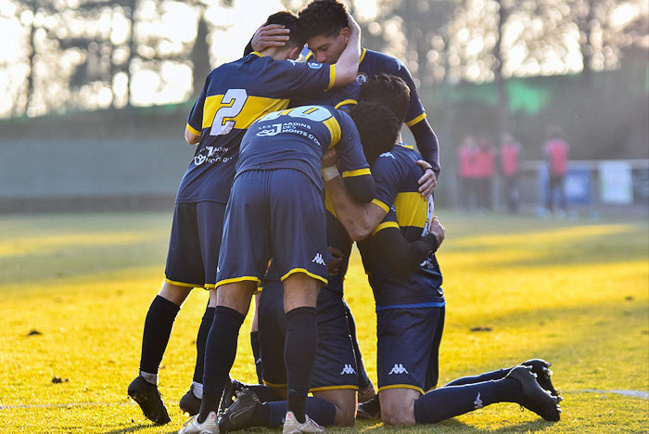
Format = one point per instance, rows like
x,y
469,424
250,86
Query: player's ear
x,y
346,32
295,53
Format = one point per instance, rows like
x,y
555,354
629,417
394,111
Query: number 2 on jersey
x,y
224,117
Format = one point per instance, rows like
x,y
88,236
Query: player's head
x,y
297,38
326,29
389,90
378,127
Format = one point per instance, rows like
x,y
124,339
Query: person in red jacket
x,y
556,152
467,159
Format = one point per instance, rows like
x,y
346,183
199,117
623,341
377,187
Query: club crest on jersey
x,y
361,78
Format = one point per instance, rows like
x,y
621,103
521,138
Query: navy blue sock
x,y
320,410
299,356
363,378
201,339
447,402
487,376
157,330
265,393
254,344
220,352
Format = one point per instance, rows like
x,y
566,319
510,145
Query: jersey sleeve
x,y
355,170
195,117
386,176
416,111
293,78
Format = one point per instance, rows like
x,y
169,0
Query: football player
x,y
234,95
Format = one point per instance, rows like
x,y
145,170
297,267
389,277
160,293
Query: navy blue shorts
x,y
276,214
335,364
194,245
408,347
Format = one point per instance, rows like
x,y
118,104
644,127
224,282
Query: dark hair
x,y
389,90
323,18
288,19
377,126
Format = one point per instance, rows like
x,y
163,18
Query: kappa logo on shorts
x,y
318,259
398,369
348,370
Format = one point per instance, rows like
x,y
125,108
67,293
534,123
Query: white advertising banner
x,y
616,182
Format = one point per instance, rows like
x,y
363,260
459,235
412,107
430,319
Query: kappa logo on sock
x,y
348,370
398,369
478,402
318,259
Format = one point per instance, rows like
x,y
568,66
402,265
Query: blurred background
x,y
95,95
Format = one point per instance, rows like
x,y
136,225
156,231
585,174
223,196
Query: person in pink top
x,y
556,152
467,159
486,169
510,154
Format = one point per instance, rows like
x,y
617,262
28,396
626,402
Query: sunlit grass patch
x,y
75,290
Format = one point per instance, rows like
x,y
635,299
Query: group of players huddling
x,y
295,161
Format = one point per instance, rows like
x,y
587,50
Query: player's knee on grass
x,y
398,406
345,402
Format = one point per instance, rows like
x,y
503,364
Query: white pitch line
x,y
631,393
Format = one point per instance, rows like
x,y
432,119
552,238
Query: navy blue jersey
x,y
373,62
396,174
234,96
297,139
342,97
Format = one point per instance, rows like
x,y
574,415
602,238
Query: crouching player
x,y
406,280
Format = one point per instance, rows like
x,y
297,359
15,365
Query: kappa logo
x,y
398,369
478,402
348,370
387,154
318,259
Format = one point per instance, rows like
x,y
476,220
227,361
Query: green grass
x,y
575,293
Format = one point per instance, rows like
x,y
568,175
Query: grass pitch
x,y
75,290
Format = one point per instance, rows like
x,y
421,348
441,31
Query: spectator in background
x,y
510,154
556,153
485,171
468,187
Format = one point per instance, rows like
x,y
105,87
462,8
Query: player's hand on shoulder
x,y
428,180
270,35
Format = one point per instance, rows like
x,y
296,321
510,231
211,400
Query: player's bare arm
x,y
191,138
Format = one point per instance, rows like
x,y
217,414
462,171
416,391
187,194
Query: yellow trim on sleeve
x,y
345,102
305,271
193,130
358,172
274,386
416,120
385,225
381,205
